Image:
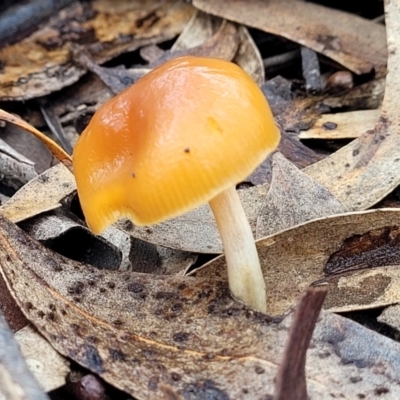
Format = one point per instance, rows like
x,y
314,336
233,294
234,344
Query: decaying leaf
x,y
16,381
363,172
43,193
363,244
47,366
144,333
41,63
347,125
352,41
293,198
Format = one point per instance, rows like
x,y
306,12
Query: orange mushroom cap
x,y
175,139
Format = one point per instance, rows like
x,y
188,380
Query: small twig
x,y
291,377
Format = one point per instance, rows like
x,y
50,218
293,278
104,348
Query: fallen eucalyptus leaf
x,y
145,333
16,381
347,125
309,253
352,41
43,193
293,198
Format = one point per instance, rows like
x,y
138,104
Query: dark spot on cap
x,y
102,290
355,152
355,379
133,175
41,314
111,285
187,150
52,307
28,306
117,322
180,337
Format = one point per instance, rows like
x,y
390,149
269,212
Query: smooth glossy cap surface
x,y
172,141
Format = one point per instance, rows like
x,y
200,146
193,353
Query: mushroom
x,y
183,135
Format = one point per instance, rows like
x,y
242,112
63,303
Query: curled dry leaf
x,y
41,63
145,333
352,41
351,253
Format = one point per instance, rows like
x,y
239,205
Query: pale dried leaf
x,y
47,366
347,125
296,258
16,381
248,56
293,198
43,193
144,333
391,316
356,43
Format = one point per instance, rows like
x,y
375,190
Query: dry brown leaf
x,y
347,125
293,198
293,259
43,193
41,63
363,172
144,333
352,41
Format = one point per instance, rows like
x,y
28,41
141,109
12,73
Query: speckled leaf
x,y
354,42
41,194
144,333
356,250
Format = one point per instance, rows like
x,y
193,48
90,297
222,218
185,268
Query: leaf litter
x,y
192,336
353,270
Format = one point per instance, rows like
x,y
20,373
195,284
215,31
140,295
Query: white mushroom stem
x,y
245,277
